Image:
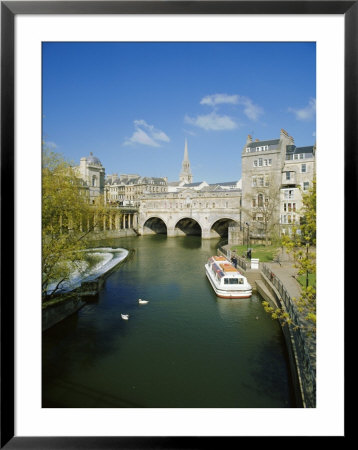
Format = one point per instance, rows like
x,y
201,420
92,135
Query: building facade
x,y
275,173
127,189
92,174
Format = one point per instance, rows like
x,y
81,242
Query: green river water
x,y
186,348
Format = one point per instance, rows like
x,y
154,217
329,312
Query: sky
x,y
133,104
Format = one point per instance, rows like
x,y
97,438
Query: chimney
x,y
283,134
257,140
249,139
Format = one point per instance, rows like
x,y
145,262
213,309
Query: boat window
x,y
226,280
234,281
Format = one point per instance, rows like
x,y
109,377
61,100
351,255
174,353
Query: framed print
x,y
114,100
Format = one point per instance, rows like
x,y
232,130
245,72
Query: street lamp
x,y
248,234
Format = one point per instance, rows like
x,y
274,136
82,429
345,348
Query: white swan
x,y
142,302
125,316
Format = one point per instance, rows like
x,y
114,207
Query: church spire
x,y
185,174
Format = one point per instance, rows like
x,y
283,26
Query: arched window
x,y
260,200
94,180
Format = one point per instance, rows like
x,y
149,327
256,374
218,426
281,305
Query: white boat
x,y
226,280
125,316
142,302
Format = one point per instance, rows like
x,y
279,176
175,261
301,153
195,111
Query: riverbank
x,y
277,284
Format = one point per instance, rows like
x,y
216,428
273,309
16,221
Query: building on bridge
x,y
274,174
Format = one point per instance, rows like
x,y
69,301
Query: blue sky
x,y
133,104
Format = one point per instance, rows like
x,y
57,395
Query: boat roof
x,y
228,268
219,258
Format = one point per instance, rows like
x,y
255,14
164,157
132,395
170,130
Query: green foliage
x,y
63,208
65,214
301,245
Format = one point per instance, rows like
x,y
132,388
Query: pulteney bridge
x,y
189,212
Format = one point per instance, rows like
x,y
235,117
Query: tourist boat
x,y
125,316
226,280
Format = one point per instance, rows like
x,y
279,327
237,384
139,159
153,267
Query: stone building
x,y
127,189
274,174
92,174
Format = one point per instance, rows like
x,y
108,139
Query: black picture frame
x,y
9,9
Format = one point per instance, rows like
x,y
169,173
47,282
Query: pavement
x,y
286,273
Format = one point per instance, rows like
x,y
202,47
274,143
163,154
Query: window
x,y
261,181
260,162
265,162
247,149
306,185
255,163
288,175
260,200
254,181
303,168
254,202
288,194
285,207
269,162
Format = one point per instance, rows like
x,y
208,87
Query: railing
x,y
240,261
307,372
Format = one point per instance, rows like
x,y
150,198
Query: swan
x,y
125,316
142,302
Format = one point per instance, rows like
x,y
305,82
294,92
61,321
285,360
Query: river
x,y
186,348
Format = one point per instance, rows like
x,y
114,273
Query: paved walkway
x,y
286,273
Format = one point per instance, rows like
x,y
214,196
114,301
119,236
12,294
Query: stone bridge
x,y
190,212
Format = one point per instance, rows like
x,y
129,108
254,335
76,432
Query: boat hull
x,y
244,293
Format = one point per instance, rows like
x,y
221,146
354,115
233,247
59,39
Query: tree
x,y
302,245
65,209
264,203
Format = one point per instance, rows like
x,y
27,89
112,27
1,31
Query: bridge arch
x,y
220,227
155,225
187,226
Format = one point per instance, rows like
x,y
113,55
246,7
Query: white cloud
x,y
251,110
146,134
306,113
212,121
216,99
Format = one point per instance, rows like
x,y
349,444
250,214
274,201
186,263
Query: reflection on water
x,y
185,348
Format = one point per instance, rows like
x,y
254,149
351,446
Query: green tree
x,y
302,245
65,214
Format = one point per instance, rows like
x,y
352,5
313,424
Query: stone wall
x,y
57,311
